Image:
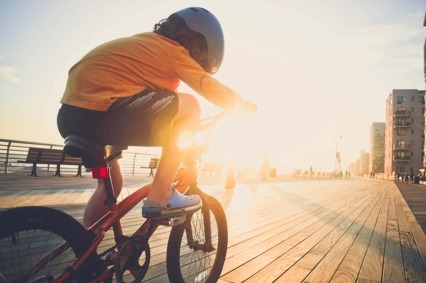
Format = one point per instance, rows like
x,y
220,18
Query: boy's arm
x,y
219,94
207,86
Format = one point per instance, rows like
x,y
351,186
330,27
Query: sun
x,y
239,139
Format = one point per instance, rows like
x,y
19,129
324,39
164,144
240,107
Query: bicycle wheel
x,y
29,234
188,258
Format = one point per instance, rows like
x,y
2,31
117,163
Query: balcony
x,y
401,113
379,140
401,147
397,158
402,124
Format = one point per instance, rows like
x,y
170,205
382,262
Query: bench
x,y
212,168
51,156
153,164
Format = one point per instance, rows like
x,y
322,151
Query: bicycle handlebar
x,y
210,122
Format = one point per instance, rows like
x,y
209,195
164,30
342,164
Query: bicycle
x,y
41,244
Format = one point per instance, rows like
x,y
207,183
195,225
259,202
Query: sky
x,y
320,70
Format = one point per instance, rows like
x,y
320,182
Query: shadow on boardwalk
x,y
415,196
284,230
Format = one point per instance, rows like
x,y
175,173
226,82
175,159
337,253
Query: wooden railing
x,y
11,151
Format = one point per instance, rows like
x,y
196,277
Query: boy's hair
x,y
175,28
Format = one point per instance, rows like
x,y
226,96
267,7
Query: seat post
x,y
103,173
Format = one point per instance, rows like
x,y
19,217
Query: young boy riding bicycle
x,y
123,92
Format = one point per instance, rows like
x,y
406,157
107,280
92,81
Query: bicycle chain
x,y
137,246
112,249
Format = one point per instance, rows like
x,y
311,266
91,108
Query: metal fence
x,y
14,152
134,161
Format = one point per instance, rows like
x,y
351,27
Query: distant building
x,y
364,164
404,132
424,50
377,148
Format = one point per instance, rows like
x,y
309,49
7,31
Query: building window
x,y
421,99
400,99
400,144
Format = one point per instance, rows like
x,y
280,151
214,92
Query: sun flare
x,y
240,140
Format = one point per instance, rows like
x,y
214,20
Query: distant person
x,y
264,167
124,92
230,176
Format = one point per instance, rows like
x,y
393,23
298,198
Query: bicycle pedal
x,y
111,257
174,221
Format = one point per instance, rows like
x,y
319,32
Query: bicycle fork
x,y
207,246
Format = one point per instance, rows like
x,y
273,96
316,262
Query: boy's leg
x,y
96,207
186,119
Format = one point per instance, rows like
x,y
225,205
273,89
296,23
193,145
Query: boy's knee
x,y
189,105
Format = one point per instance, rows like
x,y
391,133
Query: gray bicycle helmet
x,y
202,21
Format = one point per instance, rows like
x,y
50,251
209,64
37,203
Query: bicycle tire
x,y
185,264
29,233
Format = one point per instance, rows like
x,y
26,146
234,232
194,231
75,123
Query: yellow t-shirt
x,y
126,66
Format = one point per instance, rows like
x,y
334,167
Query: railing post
x,y
134,163
48,165
7,158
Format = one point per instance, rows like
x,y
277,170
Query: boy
x,y
123,92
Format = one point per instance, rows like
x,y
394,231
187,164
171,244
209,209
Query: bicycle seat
x,y
92,154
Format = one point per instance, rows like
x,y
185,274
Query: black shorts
x,y
140,120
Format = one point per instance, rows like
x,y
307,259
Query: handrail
x,y
30,142
13,150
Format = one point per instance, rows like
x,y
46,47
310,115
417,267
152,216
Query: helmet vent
x,y
198,9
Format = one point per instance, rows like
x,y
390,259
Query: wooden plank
x,y
349,268
393,270
51,156
412,217
242,265
29,198
84,196
276,261
294,274
372,266
241,242
314,256
49,198
9,197
251,238
414,269
325,269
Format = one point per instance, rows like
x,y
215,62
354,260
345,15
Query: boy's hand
x,y
247,106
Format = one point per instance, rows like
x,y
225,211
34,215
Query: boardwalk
x,y
349,230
